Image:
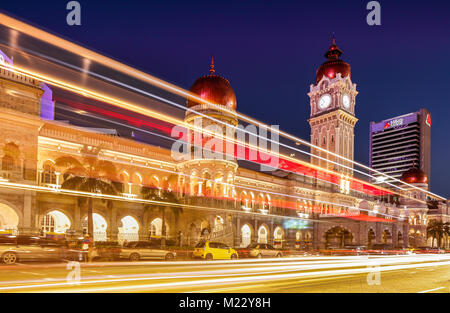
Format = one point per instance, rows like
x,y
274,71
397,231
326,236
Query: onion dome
x,y
213,88
415,176
334,65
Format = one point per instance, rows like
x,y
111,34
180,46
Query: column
x,y
237,235
113,231
378,233
394,235
363,240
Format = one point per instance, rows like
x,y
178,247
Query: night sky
x,y
270,51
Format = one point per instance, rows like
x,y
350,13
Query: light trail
x,y
430,290
262,278
224,183
144,111
50,80
253,272
120,67
293,206
169,138
11,185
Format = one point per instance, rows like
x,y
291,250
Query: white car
x,y
138,250
28,248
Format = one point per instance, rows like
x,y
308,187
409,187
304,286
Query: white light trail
x,y
86,53
244,275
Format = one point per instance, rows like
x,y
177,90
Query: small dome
x,y
215,89
334,65
415,176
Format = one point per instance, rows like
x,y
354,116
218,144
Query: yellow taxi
x,y
214,251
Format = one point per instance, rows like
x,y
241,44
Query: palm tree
x,y
437,230
162,195
89,175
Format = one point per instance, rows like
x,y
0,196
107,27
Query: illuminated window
x,y
48,224
7,163
48,173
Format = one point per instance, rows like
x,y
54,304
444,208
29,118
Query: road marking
x,y
32,273
429,290
223,289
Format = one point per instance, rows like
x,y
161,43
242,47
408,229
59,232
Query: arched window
x,y
48,224
55,222
156,228
7,163
246,233
218,223
48,173
11,154
278,237
262,235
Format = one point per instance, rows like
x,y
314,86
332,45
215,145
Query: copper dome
x,y
415,176
334,65
215,89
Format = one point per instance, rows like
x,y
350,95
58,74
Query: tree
x,y
162,195
89,175
437,230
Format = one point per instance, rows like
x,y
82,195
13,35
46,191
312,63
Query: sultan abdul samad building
x,y
228,203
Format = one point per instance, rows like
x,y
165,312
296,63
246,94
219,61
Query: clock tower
x,y
332,120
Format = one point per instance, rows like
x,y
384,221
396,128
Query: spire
x,y
333,52
211,68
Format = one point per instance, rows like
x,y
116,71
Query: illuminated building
x,y
400,143
332,100
223,201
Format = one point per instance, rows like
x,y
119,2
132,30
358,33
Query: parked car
x,y
346,250
214,251
260,250
138,250
385,249
426,250
30,248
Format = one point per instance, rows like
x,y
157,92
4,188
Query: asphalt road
x,y
317,274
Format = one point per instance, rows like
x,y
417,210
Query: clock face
x,y
324,101
346,101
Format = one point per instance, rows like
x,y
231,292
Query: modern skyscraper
x,y
400,143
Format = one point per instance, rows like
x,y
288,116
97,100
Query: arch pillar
x,y
405,234
378,233
394,233
113,230
363,231
256,230
237,234
26,224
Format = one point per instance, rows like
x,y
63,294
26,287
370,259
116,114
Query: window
x,y
11,153
7,163
48,223
214,245
222,246
28,241
200,245
48,173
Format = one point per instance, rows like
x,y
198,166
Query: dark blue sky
x,y
270,50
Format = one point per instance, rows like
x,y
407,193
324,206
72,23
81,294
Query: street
x,y
329,274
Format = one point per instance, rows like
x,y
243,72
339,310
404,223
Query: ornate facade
x,y
219,199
